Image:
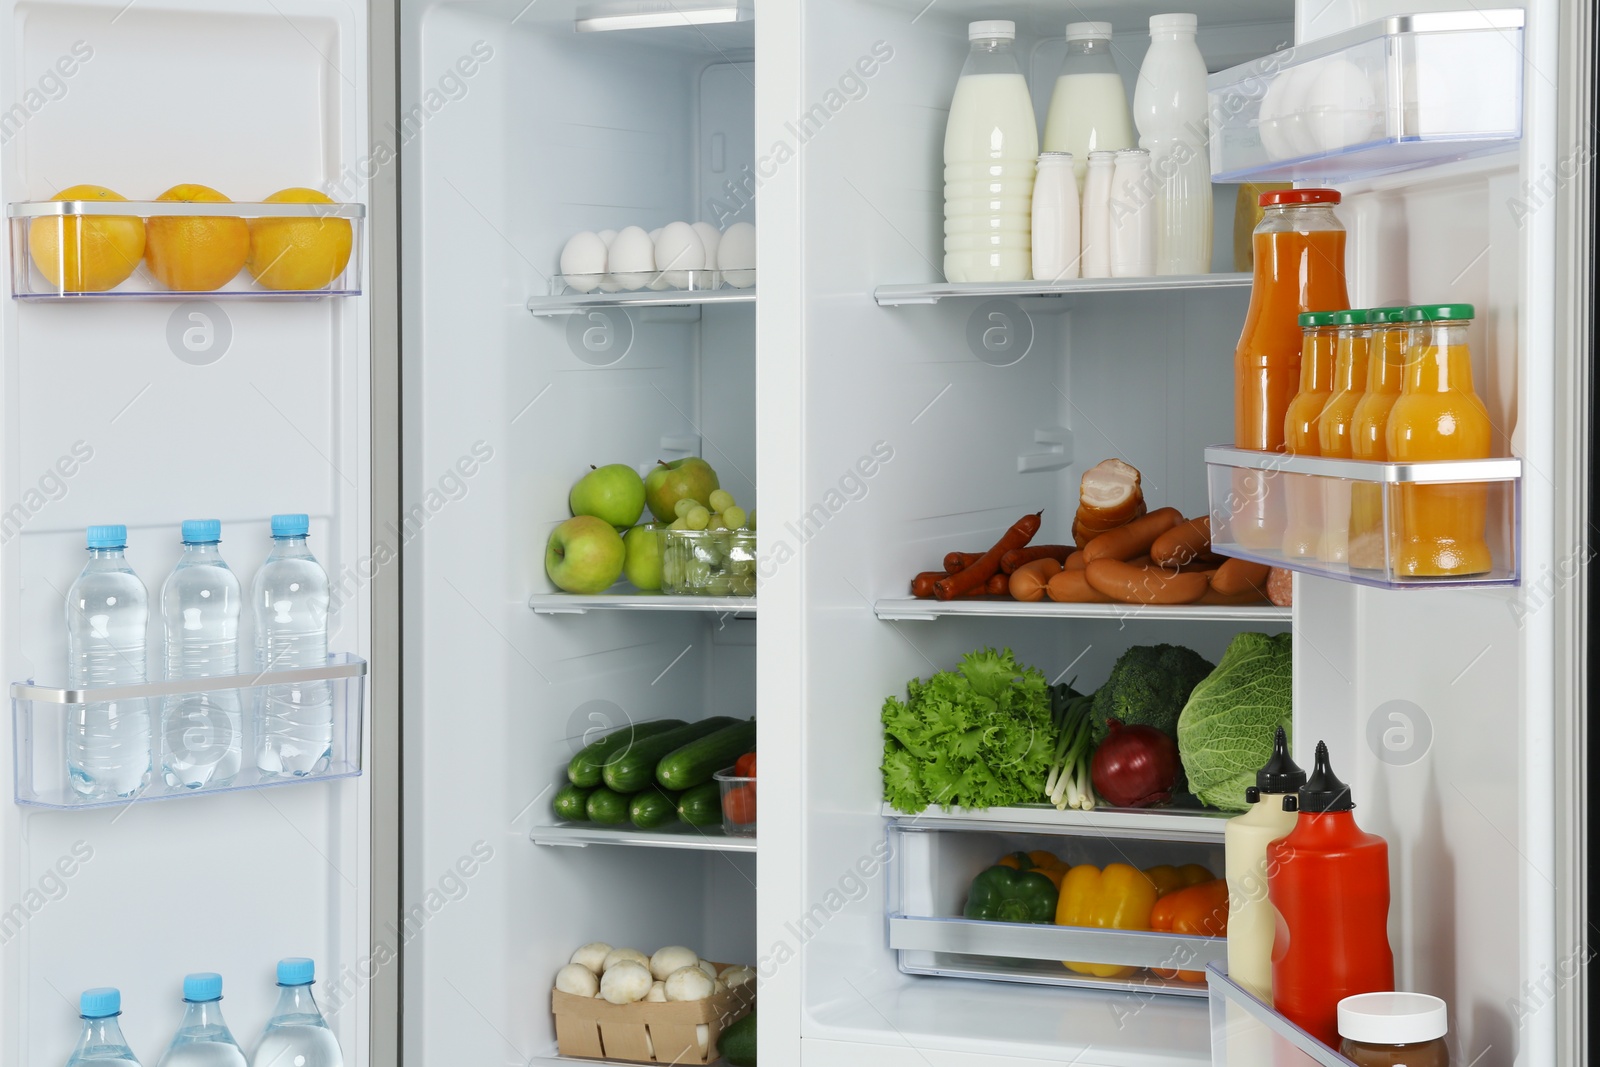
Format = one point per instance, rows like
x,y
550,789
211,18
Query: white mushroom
x,y
702,1034
625,982
688,983
592,956
736,975
708,967
657,994
669,959
617,955
578,980
718,986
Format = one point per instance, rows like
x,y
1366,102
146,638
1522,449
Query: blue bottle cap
x,y
100,1003
202,531
199,988
108,536
296,970
290,525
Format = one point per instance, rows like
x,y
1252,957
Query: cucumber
x,y
571,804
738,1042
653,808
585,766
702,805
697,761
607,808
635,768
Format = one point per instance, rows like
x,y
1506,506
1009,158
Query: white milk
x,y
1096,226
1055,219
1088,113
1133,216
1170,103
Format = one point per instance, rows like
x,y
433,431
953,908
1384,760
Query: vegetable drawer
x,y
1246,1032
932,868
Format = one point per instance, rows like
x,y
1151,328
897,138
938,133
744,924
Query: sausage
x,y
1237,576
1134,539
1109,496
1072,587
1145,585
971,579
997,585
1280,587
1074,562
922,584
1184,543
1018,556
1028,581
1241,599
956,561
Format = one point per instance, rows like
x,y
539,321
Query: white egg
x,y
1274,139
1343,107
679,251
1296,121
608,236
736,255
633,258
656,233
710,237
583,261
608,284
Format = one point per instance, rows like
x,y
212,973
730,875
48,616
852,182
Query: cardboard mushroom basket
x,y
648,1031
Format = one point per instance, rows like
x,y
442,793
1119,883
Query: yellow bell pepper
x,y
1117,898
1170,879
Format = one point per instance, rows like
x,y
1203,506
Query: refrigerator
x,y
432,415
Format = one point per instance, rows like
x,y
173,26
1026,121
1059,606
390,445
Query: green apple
x,y
614,493
585,555
671,482
643,565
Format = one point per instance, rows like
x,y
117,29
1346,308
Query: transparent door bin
x,y
321,250
931,870
41,716
673,281
1403,92
1388,525
1245,1032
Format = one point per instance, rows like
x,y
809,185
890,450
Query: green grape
x,y
679,524
752,523
734,517
742,566
721,585
684,506
720,500
698,518
718,523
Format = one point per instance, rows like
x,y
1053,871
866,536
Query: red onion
x,y
1135,766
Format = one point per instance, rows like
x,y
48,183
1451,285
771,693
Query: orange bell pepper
x,y
1199,909
1043,860
1169,878
1117,898
1017,861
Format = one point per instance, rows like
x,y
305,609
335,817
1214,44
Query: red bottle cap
x,y
1300,196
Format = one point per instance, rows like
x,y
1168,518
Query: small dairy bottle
x,y
297,1035
1089,104
991,143
1056,245
203,1038
1096,227
1133,216
102,1042
1169,107
1251,917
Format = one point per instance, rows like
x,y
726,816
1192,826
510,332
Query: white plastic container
x,y
1133,215
1089,105
1056,236
990,144
1169,107
1096,225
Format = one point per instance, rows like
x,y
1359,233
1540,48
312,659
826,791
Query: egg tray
x,y
647,1032
689,281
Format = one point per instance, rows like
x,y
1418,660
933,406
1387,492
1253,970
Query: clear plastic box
x,y
731,824
1403,92
1371,523
708,562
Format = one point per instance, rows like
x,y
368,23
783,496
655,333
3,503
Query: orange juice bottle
x,y
1302,494
1298,249
1439,529
1350,349
1386,354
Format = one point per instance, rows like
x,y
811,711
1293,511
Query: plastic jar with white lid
x,y
1394,1030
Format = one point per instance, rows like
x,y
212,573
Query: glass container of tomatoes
x,y
739,797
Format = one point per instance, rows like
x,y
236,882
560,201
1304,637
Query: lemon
x,y
87,253
298,253
195,254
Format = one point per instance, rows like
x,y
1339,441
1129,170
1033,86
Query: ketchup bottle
x,y
1329,881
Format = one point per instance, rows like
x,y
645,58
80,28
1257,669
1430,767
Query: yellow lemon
x,y
298,253
87,253
192,253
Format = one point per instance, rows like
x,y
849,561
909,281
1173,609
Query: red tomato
x,y
740,805
746,766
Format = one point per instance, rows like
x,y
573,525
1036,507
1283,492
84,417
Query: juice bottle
x,y
1299,266
1439,531
1386,356
1302,493
1350,354
1329,881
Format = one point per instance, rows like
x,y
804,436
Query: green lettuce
x,y
975,737
1225,730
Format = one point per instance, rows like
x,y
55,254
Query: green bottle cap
x,y
1377,316
1440,313
1309,319
1351,317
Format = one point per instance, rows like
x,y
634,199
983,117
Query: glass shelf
x,y
571,295
918,609
933,292
581,835
1168,823
1246,1032
1392,95
580,604
38,228
1351,520
42,715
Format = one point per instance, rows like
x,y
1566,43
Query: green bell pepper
x,y
1004,894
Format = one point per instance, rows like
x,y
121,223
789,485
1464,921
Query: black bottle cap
x,y
1280,774
1323,791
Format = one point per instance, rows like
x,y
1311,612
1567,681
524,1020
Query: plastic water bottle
x,y
102,1041
200,732
1169,107
297,1035
108,742
294,723
203,1038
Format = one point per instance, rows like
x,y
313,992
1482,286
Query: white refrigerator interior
x,y
174,409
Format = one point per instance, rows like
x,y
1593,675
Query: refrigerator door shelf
x,y
581,835
1203,826
1350,520
636,600
1400,93
933,292
898,609
1246,1031
42,220
40,715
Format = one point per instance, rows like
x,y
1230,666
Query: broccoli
x,y
1149,686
